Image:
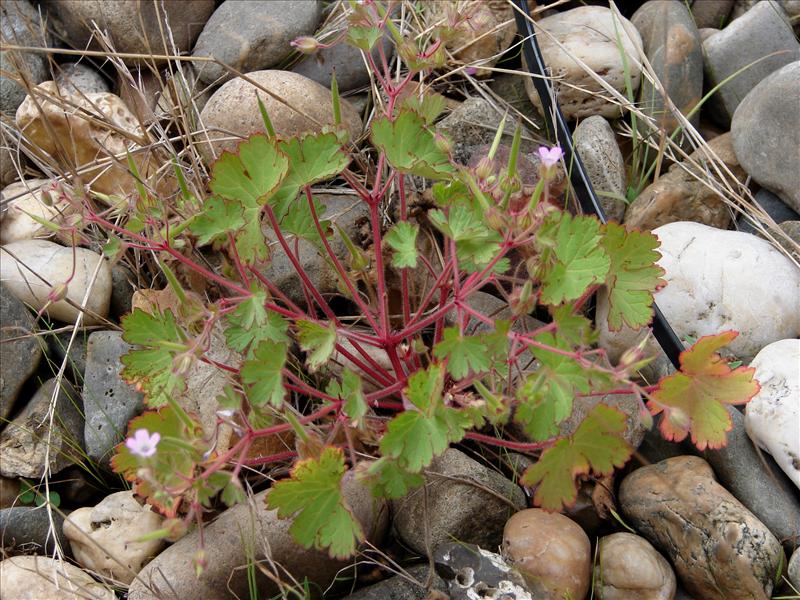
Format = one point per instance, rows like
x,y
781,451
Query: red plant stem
x,y
520,446
272,458
236,261
383,312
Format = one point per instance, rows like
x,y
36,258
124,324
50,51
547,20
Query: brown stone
x,y
629,568
719,549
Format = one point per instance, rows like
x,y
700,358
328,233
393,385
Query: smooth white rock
x,y
104,538
772,417
588,33
44,578
54,264
23,200
717,280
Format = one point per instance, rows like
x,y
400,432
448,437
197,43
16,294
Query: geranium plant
x,y
405,383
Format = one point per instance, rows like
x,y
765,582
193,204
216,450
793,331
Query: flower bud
x,y
496,220
176,529
182,363
200,562
485,168
443,143
510,184
522,300
59,292
305,44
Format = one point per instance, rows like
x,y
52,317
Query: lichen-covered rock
x,y
597,145
44,260
20,351
551,552
44,578
751,47
720,550
484,29
249,532
716,281
590,34
34,442
22,201
766,133
629,568
251,36
105,539
133,26
304,106
772,417
20,26
683,193
457,508
63,131
472,572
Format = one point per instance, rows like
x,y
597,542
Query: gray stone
x,y
26,530
763,30
458,506
20,349
122,288
20,26
12,161
132,26
672,45
793,571
711,13
773,206
252,35
57,345
766,133
792,231
628,404
400,588
45,578
249,525
740,7
347,212
109,402
30,445
81,78
346,60
597,145
472,572
757,482
511,88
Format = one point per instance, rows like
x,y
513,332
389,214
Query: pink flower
x,y
471,70
142,443
550,156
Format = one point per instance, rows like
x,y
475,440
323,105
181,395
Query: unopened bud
x,y
496,220
510,184
485,168
176,529
200,562
522,300
443,143
59,292
182,363
305,44
47,198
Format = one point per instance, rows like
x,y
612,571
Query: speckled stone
x,y
20,26
597,145
20,351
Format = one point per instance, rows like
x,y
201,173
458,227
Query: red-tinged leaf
x,y
596,445
693,399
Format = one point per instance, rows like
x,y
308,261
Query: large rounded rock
x,y
717,281
70,127
687,193
78,77
551,552
12,160
629,568
29,530
295,105
20,26
458,505
472,572
43,578
719,549
588,33
22,202
711,13
597,145
39,440
24,265
20,351
673,47
106,539
133,26
772,417
751,47
766,133
793,570
251,36
245,533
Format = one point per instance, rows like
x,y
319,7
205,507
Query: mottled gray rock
x,y
711,13
252,35
773,206
740,7
109,402
399,587
719,549
12,161
472,572
57,345
122,288
132,26
757,482
763,30
766,133
628,404
672,45
793,572
511,88
457,508
29,444
20,350
81,78
171,575
26,530
20,26
347,212
597,145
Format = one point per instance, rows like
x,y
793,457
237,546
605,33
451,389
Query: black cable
x,y
579,179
